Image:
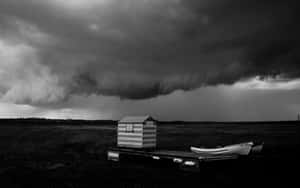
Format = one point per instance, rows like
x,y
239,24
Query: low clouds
x,y
24,79
133,49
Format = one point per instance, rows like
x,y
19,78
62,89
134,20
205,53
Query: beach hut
x,y
137,132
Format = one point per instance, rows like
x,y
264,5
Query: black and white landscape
x,y
211,72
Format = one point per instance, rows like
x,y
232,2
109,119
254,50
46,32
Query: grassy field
x,y
65,155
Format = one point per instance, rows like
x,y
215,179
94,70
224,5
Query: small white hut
x,y
137,132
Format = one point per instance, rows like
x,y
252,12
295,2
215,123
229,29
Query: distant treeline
x,y
47,122
294,122
78,122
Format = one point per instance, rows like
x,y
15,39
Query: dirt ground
x,y
75,156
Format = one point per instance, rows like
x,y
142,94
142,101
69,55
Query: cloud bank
x,y
140,49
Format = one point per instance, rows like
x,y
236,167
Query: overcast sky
x,y
219,60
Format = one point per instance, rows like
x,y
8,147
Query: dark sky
x,y
174,59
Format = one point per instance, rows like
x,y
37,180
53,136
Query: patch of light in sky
x,y
268,84
80,3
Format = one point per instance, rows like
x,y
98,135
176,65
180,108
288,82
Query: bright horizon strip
x,y
77,4
268,84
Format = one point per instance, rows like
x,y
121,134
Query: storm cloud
x,y
139,49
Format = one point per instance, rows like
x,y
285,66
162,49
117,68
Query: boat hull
x,y
237,149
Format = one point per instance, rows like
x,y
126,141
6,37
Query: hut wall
x,y
149,134
137,135
130,135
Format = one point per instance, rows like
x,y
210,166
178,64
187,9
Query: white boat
x,y
236,149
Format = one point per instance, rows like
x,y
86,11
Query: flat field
x,y
66,155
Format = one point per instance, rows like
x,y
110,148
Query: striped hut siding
x,y
140,131
136,127
149,135
137,137
134,139
130,142
137,132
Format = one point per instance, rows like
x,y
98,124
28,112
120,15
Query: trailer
x,y
183,159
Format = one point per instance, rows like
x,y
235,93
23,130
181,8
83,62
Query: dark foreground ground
x,y
72,156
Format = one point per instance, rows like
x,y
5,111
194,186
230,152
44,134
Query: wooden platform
x,y
183,158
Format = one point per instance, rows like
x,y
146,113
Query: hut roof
x,y
136,119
